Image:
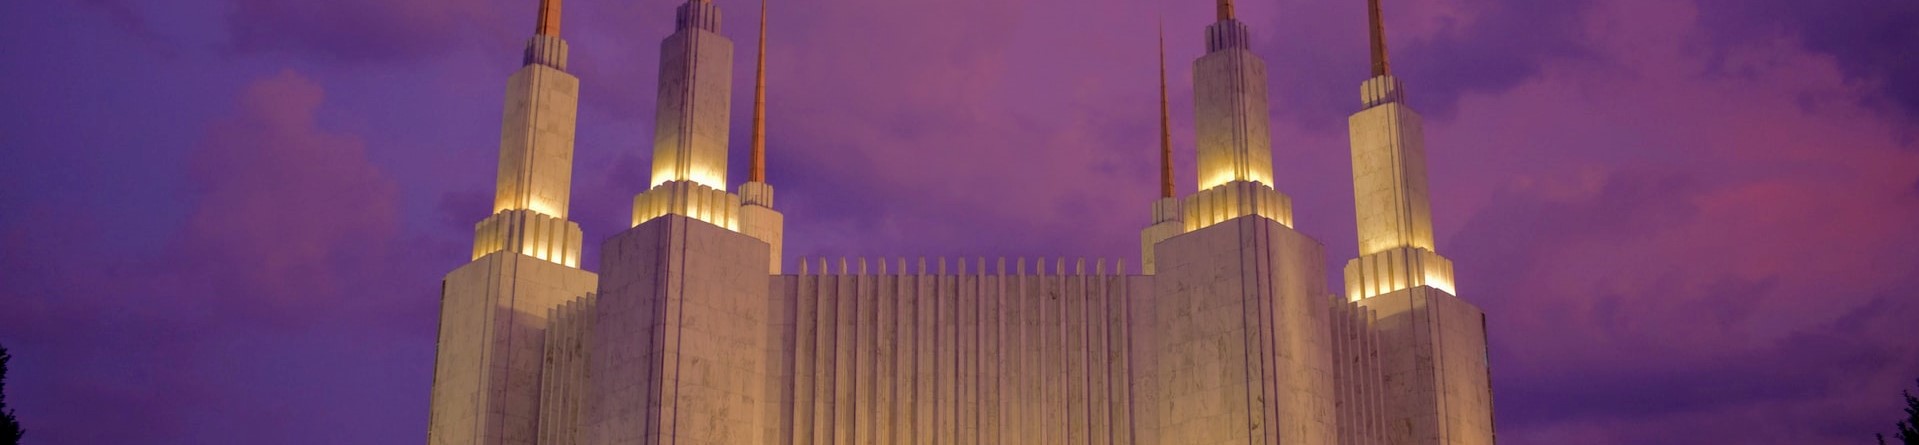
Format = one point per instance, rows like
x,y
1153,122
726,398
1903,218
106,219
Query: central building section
x,y
960,351
692,333
1226,344
1222,346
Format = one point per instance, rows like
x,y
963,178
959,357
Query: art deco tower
x,y
695,93
1427,379
1232,344
691,120
1167,220
680,330
494,311
1389,187
1232,122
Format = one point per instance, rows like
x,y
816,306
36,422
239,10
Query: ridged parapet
x,y
546,50
697,14
1167,217
1228,34
529,233
564,383
1235,199
690,199
1380,91
759,220
1397,269
756,193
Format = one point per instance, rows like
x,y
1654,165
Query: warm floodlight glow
x,y
703,176
1398,269
1222,176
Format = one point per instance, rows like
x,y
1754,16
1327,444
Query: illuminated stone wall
x,y
968,351
488,363
681,337
1240,341
1434,380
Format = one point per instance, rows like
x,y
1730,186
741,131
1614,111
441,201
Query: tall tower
x,y
680,329
691,121
1389,186
494,311
1232,344
1433,385
757,217
1167,221
1233,126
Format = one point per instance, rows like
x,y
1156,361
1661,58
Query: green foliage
x,y
1908,433
10,431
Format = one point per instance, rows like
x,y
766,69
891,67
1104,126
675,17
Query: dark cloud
x,y
1318,56
1506,42
1873,40
1659,335
360,30
291,244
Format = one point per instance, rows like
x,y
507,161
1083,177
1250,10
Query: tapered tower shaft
x,y
695,93
1376,24
549,18
756,171
490,360
1230,107
534,186
1165,125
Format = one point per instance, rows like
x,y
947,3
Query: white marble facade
x,y
691,332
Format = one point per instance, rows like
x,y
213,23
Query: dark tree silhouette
x,y
1908,433
10,431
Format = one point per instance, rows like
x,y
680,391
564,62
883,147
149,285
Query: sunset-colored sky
x,y
1688,221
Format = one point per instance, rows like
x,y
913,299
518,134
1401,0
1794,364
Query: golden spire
x,y
1377,26
1165,123
1225,10
549,18
757,170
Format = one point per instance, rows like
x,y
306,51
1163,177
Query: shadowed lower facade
x,y
691,332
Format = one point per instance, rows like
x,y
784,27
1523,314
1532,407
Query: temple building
x,y
691,332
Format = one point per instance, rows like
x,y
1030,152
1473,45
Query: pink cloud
x,y
284,202
1700,245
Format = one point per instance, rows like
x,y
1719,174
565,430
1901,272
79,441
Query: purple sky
x,y
1689,221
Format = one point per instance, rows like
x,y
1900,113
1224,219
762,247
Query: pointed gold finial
x,y
1377,25
757,171
1225,10
549,18
1165,122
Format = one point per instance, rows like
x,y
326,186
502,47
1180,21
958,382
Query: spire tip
x,y
549,19
1376,27
1165,122
756,172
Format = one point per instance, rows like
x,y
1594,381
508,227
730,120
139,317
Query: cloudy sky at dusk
x,y
1688,221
